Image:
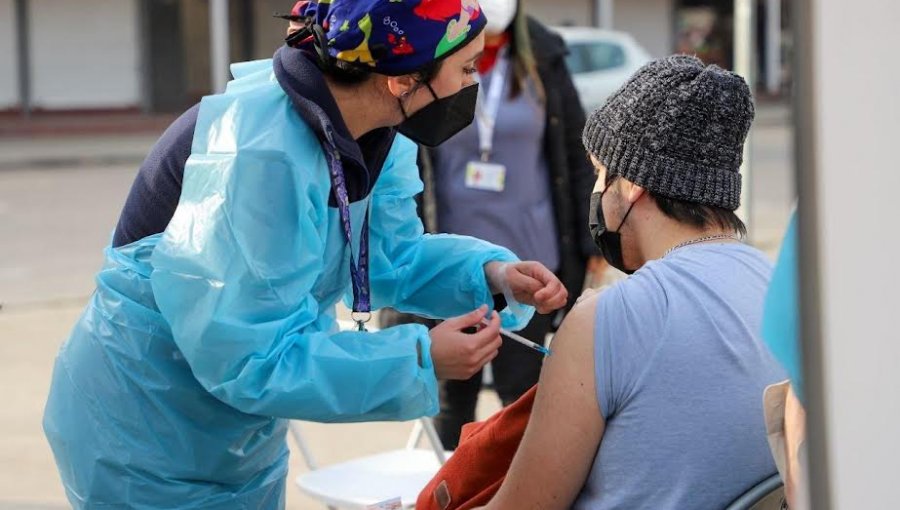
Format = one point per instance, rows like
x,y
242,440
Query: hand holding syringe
x,y
461,346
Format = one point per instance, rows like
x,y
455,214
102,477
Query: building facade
x,y
155,55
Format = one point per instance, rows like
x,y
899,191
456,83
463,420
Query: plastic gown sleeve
x,y
233,276
432,275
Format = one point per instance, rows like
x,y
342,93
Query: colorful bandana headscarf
x,y
394,37
297,10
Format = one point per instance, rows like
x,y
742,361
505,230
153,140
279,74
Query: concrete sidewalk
x,y
85,122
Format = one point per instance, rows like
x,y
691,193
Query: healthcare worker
x,y
214,321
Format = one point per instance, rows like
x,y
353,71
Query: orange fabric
x,y
473,475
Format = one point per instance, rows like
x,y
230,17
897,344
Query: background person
x,y
516,177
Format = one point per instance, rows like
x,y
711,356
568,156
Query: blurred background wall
x,y
154,55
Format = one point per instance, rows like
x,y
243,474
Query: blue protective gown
x,y
199,343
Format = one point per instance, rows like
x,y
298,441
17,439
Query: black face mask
x,y
442,118
609,243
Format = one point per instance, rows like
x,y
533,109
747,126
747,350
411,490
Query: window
x,y
588,57
575,60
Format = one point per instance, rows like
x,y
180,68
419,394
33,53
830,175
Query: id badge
x,y
485,176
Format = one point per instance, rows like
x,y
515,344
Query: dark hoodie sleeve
x,y
156,190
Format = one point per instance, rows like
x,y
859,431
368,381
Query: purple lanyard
x,y
359,270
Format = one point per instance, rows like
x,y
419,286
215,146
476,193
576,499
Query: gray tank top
x,y
680,370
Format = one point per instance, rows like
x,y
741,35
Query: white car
x,y
600,62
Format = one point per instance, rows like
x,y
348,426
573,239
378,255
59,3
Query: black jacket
x,y
571,173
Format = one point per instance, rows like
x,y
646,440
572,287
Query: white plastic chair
x,y
364,481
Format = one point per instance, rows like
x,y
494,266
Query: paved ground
x,y
59,198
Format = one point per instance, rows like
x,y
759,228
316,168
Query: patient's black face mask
x,y
609,243
439,120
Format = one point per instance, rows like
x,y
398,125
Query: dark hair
x,y
701,216
522,55
428,73
345,73
695,215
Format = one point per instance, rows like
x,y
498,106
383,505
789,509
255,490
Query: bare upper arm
x,y
564,432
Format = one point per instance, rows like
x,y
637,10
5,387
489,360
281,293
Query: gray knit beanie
x,y
676,128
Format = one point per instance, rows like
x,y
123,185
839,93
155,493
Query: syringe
x,y
522,340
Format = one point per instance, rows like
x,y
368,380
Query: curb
x,y
63,125
76,162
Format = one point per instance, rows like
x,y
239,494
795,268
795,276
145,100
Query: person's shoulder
x,y
717,259
581,317
176,139
402,158
573,344
751,253
636,303
600,304
621,328
738,250
643,284
400,175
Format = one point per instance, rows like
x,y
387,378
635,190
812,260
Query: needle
x,y
522,340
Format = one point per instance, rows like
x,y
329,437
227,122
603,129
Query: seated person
x,y
652,395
